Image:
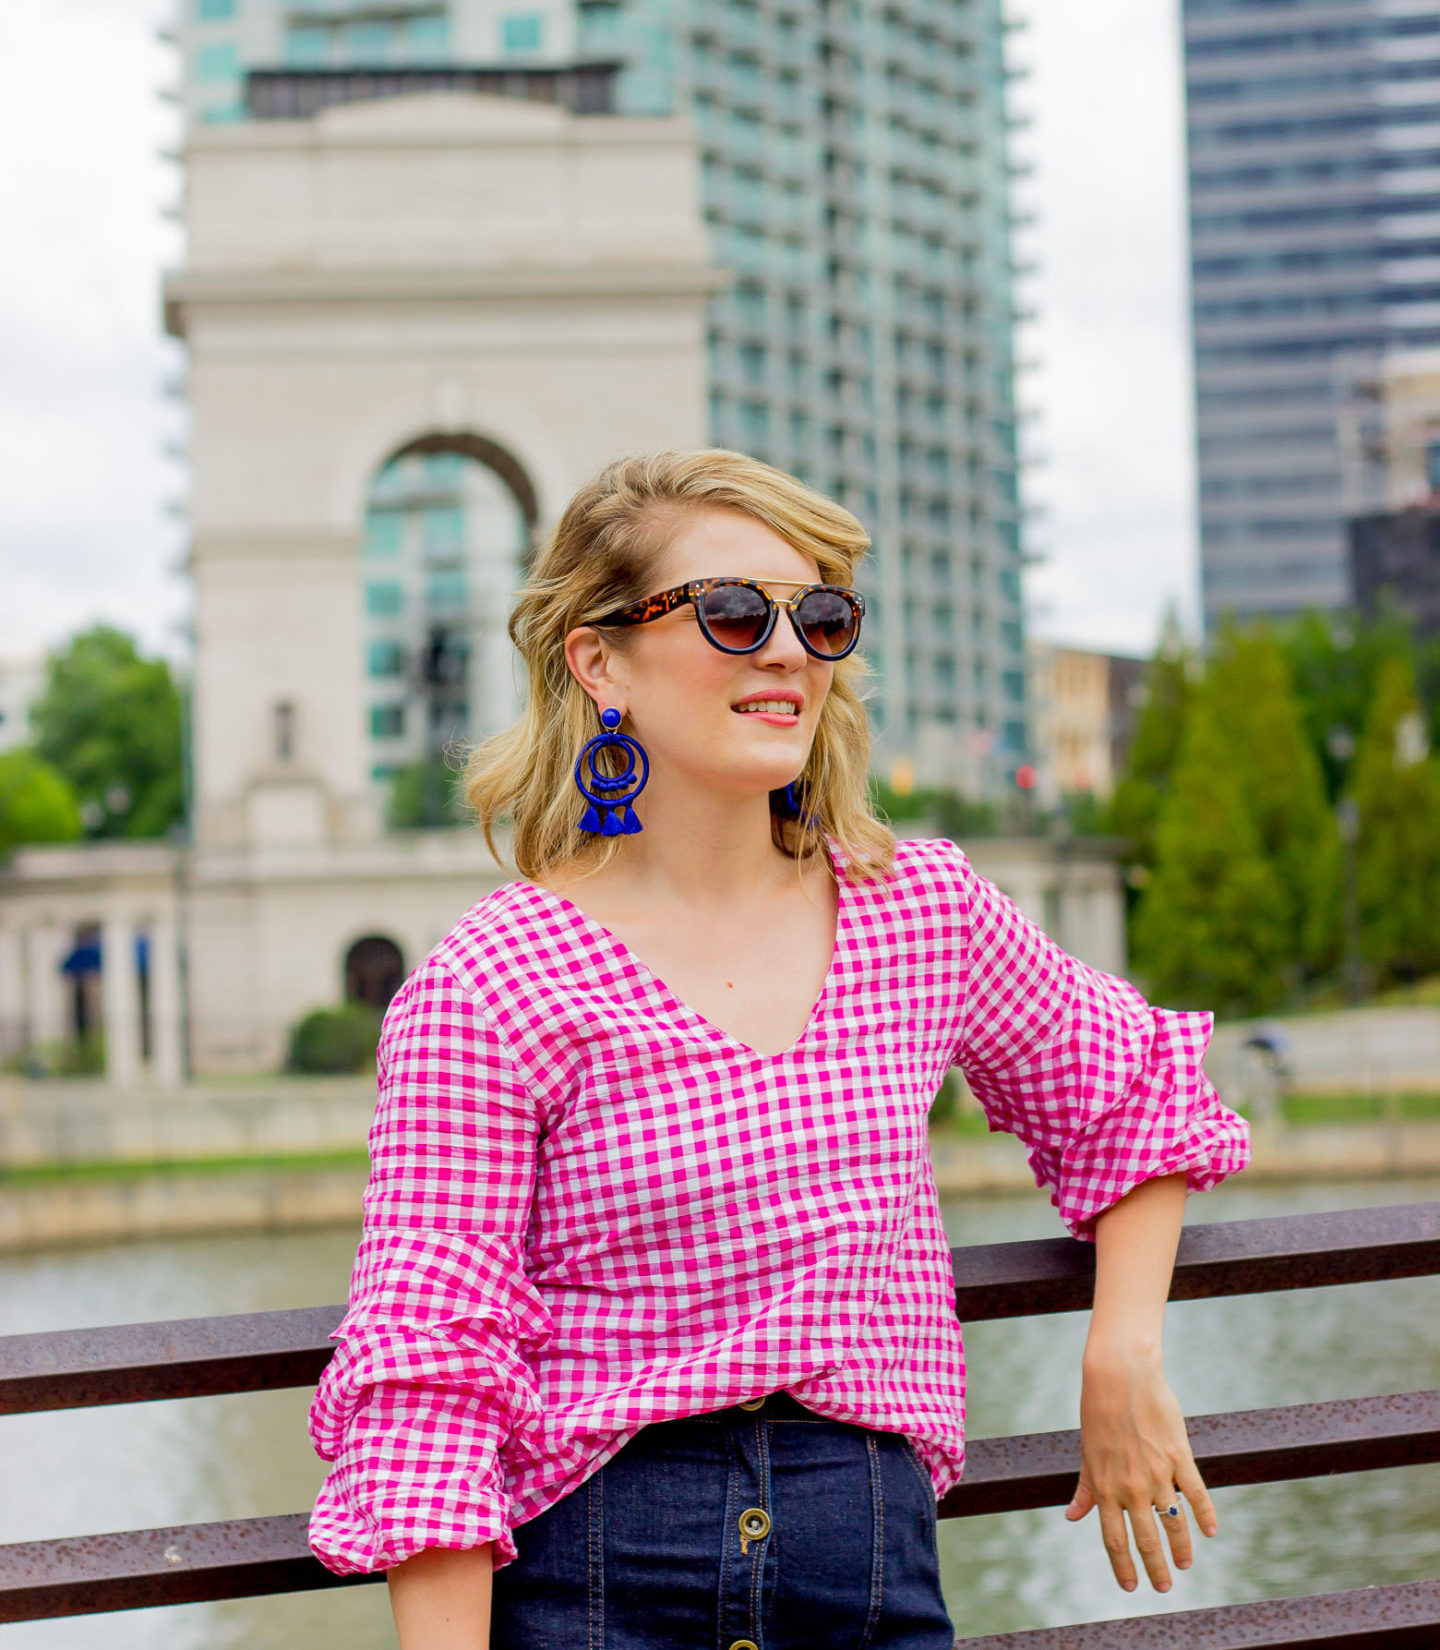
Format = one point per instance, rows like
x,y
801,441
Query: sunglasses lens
x,y
828,622
735,615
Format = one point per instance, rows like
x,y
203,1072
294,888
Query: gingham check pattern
x,y
590,1209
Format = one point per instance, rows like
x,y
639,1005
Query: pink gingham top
x,y
590,1209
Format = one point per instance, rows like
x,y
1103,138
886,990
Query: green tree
x,y
37,802
1211,929
951,814
1251,697
426,795
1335,661
1397,792
1140,796
110,721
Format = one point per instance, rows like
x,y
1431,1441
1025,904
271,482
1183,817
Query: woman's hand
x,y
1133,1449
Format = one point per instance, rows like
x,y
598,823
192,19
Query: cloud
x,y
83,527
84,485
1111,338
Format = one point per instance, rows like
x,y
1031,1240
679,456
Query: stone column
x,y
166,1064
44,952
120,1001
12,993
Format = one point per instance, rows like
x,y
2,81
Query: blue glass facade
x,y
1314,170
855,180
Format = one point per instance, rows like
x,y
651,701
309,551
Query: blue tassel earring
x,y
610,813
785,803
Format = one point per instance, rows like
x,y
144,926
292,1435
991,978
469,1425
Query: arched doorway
x,y
448,526
374,971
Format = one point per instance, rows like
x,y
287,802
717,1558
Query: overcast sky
x,y
87,496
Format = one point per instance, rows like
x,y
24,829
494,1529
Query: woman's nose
x,y
783,645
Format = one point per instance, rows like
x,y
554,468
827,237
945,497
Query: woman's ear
x,y
595,664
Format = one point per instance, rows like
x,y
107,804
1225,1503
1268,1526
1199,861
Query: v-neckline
x,y
582,919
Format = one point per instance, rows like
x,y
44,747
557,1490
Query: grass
x,y
1419,994
42,1174
963,1125
1294,1108
1359,1108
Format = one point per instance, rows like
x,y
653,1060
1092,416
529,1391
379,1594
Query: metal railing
x,y
198,1357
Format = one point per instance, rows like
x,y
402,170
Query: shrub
x,y
334,1039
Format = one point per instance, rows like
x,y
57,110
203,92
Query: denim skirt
x,y
760,1527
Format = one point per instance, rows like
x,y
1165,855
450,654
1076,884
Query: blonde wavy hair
x,y
602,555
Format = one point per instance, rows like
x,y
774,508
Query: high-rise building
x,y
856,185
1314,162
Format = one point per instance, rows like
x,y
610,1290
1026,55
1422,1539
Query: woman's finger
x,y
1117,1544
1145,1527
1189,1479
1177,1529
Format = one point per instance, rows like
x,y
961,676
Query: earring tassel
x,y
590,820
632,822
612,826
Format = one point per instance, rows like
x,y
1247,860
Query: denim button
x,y
744,1644
752,1403
754,1523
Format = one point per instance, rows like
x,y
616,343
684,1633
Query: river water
x,y
129,1467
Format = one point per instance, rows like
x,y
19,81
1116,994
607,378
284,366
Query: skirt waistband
x,y
776,1406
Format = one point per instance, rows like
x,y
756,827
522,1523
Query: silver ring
x,y
1172,1511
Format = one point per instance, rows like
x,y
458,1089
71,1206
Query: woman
x,y
651,1340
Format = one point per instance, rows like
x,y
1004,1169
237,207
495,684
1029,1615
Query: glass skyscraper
x,y
1314,161
855,179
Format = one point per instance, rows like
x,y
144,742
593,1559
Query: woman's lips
x,y
773,714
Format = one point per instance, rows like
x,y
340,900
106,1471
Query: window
x,y
384,600
444,529
521,31
445,469
369,42
447,590
1432,465
383,532
387,659
307,48
214,11
217,63
387,721
755,420
429,39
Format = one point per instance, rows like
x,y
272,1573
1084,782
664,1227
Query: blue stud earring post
x,y
610,795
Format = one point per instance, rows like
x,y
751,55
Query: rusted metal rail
x,y
1236,1257
1402,1617
260,1351
134,1363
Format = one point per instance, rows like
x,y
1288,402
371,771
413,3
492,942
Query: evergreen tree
x,y
1212,927
1139,797
1335,661
1257,715
1397,791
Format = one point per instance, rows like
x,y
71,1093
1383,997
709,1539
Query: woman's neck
x,y
698,852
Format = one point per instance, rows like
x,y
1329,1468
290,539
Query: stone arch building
x,y
450,272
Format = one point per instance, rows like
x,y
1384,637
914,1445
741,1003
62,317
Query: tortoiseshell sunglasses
x,y
738,615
